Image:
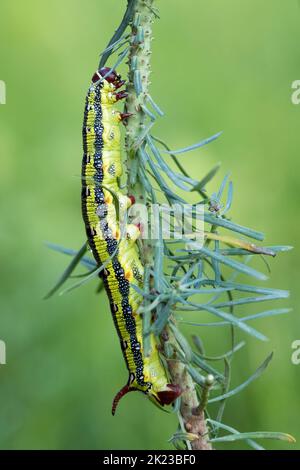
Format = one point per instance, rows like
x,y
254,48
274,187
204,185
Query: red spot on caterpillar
x,y
126,389
167,397
132,199
120,95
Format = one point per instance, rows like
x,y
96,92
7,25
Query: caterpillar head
x,y
110,76
166,396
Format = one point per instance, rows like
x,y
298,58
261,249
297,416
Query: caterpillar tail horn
x,y
124,390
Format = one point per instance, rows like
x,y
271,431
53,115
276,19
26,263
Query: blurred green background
x,y
217,65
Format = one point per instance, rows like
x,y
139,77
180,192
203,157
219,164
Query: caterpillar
x,y
101,170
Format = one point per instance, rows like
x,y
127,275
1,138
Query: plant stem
x,y
139,71
192,413
137,89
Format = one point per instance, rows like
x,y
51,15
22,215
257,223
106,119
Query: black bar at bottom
x,y
137,458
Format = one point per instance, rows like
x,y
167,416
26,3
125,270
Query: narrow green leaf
x,y
241,387
226,316
226,386
237,266
199,362
176,178
158,178
229,199
256,290
195,146
119,31
163,312
95,272
122,56
219,425
247,300
227,355
177,163
183,343
87,262
148,112
199,344
222,187
66,274
210,175
267,313
154,105
220,222
255,435
115,46
280,248
196,376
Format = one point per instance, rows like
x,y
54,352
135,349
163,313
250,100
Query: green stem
x,y
191,411
137,88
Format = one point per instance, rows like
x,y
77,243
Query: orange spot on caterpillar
x,y
108,199
117,234
129,275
